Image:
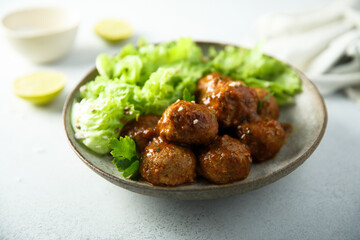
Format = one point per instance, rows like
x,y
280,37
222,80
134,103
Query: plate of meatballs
x,y
232,139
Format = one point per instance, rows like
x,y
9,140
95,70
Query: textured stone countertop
x,y
46,192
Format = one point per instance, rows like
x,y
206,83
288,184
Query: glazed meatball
x,y
164,163
187,122
232,102
269,108
224,161
142,131
208,83
264,138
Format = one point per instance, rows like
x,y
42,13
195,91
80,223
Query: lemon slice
x,y
39,87
113,30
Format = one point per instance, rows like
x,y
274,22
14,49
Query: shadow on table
x,y
55,106
217,214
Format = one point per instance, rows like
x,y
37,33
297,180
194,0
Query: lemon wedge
x,y
39,87
113,30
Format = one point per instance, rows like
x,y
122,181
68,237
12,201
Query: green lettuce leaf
x,y
97,120
258,70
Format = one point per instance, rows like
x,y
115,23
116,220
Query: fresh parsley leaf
x,y
124,147
187,96
261,101
121,163
135,176
126,158
133,168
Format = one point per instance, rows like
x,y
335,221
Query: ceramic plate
x,y
307,115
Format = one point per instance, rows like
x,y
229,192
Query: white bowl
x,y
41,34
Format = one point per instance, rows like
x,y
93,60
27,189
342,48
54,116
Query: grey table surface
x,y
46,192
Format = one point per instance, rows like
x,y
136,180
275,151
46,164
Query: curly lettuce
x,y
97,119
137,81
258,70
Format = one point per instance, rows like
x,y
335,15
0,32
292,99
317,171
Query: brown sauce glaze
x,y
224,161
231,101
142,131
189,123
164,163
264,138
269,108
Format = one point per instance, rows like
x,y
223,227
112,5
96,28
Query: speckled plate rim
x,y
241,186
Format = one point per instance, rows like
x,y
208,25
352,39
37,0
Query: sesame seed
x,y
180,109
222,154
242,136
193,101
195,121
177,100
239,126
235,84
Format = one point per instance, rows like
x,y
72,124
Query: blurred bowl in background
x,y
41,34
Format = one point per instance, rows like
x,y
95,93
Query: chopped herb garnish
x,y
261,101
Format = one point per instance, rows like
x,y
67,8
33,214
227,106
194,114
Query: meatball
x,y
269,108
164,163
232,102
187,122
264,138
224,161
142,131
208,83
